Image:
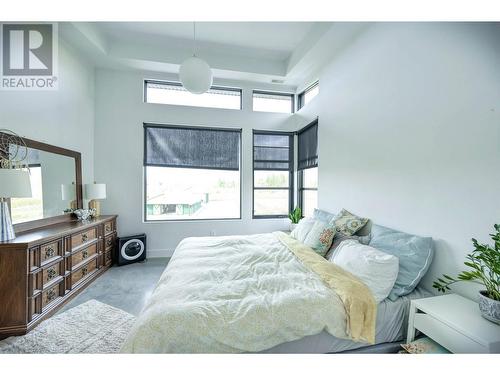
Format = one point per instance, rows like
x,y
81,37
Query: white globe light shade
x,y
195,75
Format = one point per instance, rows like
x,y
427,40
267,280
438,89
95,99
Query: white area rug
x,y
92,327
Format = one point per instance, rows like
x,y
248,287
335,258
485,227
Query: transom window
x,y
191,173
272,174
308,94
266,101
174,93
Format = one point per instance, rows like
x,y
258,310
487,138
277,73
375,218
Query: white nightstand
x,y
455,323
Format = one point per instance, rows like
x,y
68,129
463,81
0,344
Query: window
x,y
191,173
308,190
173,93
308,94
272,174
308,168
272,102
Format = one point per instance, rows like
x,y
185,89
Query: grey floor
x,y
126,287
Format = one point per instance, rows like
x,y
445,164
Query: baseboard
x,y
159,253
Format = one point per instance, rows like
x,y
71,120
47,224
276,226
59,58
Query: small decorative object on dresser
x,y
43,268
82,214
453,322
485,264
94,192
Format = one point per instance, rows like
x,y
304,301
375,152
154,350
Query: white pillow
x,y
378,270
302,229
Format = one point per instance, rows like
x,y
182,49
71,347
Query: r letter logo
x,y
29,57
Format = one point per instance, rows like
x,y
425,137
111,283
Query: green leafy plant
x,y
484,262
295,215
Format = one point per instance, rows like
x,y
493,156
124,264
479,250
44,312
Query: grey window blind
x,y
308,146
272,151
192,147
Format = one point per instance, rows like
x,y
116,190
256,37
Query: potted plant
x,y
295,217
484,262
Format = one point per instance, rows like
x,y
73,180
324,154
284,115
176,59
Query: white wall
x,y
120,113
64,117
409,128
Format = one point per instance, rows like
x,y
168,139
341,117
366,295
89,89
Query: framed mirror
x,y
56,186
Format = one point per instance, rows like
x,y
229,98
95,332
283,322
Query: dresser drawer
x,y
109,241
52,294
50,273
50,251
83,237
108,257
109,227
83,272
82,255
446,336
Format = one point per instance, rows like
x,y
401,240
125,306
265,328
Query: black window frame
x,y
277,93
300,172
145,179
301,96
290,187
178,84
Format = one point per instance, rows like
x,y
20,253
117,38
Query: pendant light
x,y
195,74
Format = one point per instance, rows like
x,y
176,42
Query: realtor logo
x,y
29,56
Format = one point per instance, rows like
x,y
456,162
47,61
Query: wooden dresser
x,y
42,269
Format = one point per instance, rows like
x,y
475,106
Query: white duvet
x,y
234,294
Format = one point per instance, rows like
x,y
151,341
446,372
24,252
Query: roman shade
x,y
272,151
192,147
308,146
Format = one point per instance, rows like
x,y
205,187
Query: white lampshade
x,y
15,183
195,75
95,191
68,192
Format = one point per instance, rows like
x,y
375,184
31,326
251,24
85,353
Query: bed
x,y
261,293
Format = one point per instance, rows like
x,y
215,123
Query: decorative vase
x,y
293,226
490,308
82,215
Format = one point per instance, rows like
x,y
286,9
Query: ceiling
x,y
285,35
287,53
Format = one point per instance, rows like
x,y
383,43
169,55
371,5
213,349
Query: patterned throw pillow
x,y
347,223
320,237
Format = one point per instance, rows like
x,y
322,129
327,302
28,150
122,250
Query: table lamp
x,y
68,193
14,183
94,192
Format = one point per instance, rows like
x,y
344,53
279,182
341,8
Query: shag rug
x,y
92,327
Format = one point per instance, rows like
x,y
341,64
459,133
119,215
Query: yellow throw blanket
x,y
361,308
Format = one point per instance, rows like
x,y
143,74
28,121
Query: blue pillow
x,y
415,256
321,215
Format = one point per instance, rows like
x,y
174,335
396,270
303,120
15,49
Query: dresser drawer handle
x,y
85,270
49,252
85,237
51,273
85,254
51,294
107,228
